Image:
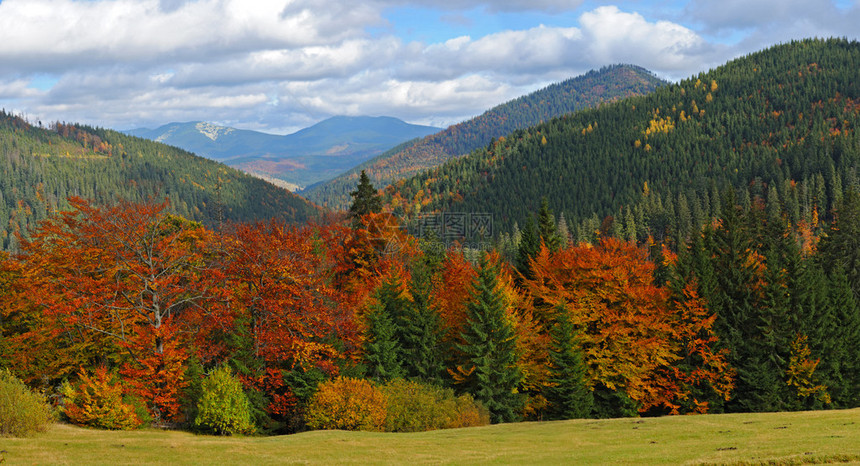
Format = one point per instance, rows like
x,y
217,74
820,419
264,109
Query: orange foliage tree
x,y
361,256
134,277
632,335
451,291
32,344
702,371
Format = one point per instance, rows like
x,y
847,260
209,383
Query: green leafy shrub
x,y
415,407
347,403
22,412
224,408
98,400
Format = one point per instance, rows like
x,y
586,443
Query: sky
x,y
282,65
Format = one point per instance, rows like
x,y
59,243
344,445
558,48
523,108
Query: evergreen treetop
x,y
366,199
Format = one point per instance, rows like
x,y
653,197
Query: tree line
x,y
751,314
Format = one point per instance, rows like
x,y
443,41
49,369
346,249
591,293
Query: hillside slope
x,y
43,167
308,156
781,123
589,90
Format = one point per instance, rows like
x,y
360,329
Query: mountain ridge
x,y
44,166
590,89
306,156
778,124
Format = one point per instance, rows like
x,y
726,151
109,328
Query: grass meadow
x,y
772,438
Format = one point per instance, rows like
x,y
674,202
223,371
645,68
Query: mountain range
x,y
777,124
295,160
591,89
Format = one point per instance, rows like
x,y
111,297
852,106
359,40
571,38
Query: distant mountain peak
x,y
212,131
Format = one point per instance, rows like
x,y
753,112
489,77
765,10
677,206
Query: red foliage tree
x,y
134,276
281,285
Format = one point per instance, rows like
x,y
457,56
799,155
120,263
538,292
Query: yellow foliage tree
x,y
347,403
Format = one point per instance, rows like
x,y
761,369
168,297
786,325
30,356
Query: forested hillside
x,y
779,124
589,90
42,167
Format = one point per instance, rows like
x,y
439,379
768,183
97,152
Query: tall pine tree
x,y
841,245
528,247
743,324
489,370
365,199
844,385
383,350
546,226
423,333
567,395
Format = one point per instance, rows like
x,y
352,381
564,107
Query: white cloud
x,y
303,64
605,36
16,89
612,36
743,14
284,64
492,5
46,35
373,94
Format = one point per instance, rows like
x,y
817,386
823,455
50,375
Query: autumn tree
x,y
622,318
452,293
36,347
285,316
135,275
701,379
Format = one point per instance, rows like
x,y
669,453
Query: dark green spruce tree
x,y
547,228
423,333
568,396
383,352
844,385
365,199
742,325
528,248
488,350
841,244
839,255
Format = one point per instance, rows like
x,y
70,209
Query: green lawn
x,y
781,438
